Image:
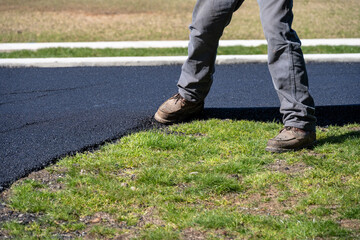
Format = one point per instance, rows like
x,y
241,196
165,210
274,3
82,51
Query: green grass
x,y
210,179
87,52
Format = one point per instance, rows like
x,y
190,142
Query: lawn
x,y
237,50
120,20
200,180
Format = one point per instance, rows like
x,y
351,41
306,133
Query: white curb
x,y
91,61
331,42
8,47
155,61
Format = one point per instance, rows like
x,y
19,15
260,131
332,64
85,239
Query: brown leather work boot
x,y
177,109
291,138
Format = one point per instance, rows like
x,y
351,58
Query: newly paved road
x,y
47,113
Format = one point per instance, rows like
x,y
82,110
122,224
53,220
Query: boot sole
x,y
281,150
162,120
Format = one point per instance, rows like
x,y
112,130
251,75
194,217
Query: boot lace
x,y
177,97
286,129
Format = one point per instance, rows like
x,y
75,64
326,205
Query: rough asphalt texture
x,y
47,113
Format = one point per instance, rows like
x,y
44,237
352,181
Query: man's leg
x,y
287,68
210,17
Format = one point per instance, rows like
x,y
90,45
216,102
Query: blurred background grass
x,y
122,20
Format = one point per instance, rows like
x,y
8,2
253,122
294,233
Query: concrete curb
x,y
8,47
156,61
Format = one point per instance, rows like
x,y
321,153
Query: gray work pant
x,y
285,58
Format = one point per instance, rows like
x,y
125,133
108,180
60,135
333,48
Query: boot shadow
x,y
326,115
338,139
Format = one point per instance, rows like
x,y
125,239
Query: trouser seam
x,y
292,73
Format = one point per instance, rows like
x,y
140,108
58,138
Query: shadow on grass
x,y
326,115
338,139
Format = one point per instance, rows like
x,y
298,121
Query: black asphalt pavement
x,y
47,113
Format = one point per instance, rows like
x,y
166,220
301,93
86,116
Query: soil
x,y
291,169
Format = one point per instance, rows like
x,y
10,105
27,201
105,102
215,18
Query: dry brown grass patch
x,y
194,234
290,169
265,203
350,223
